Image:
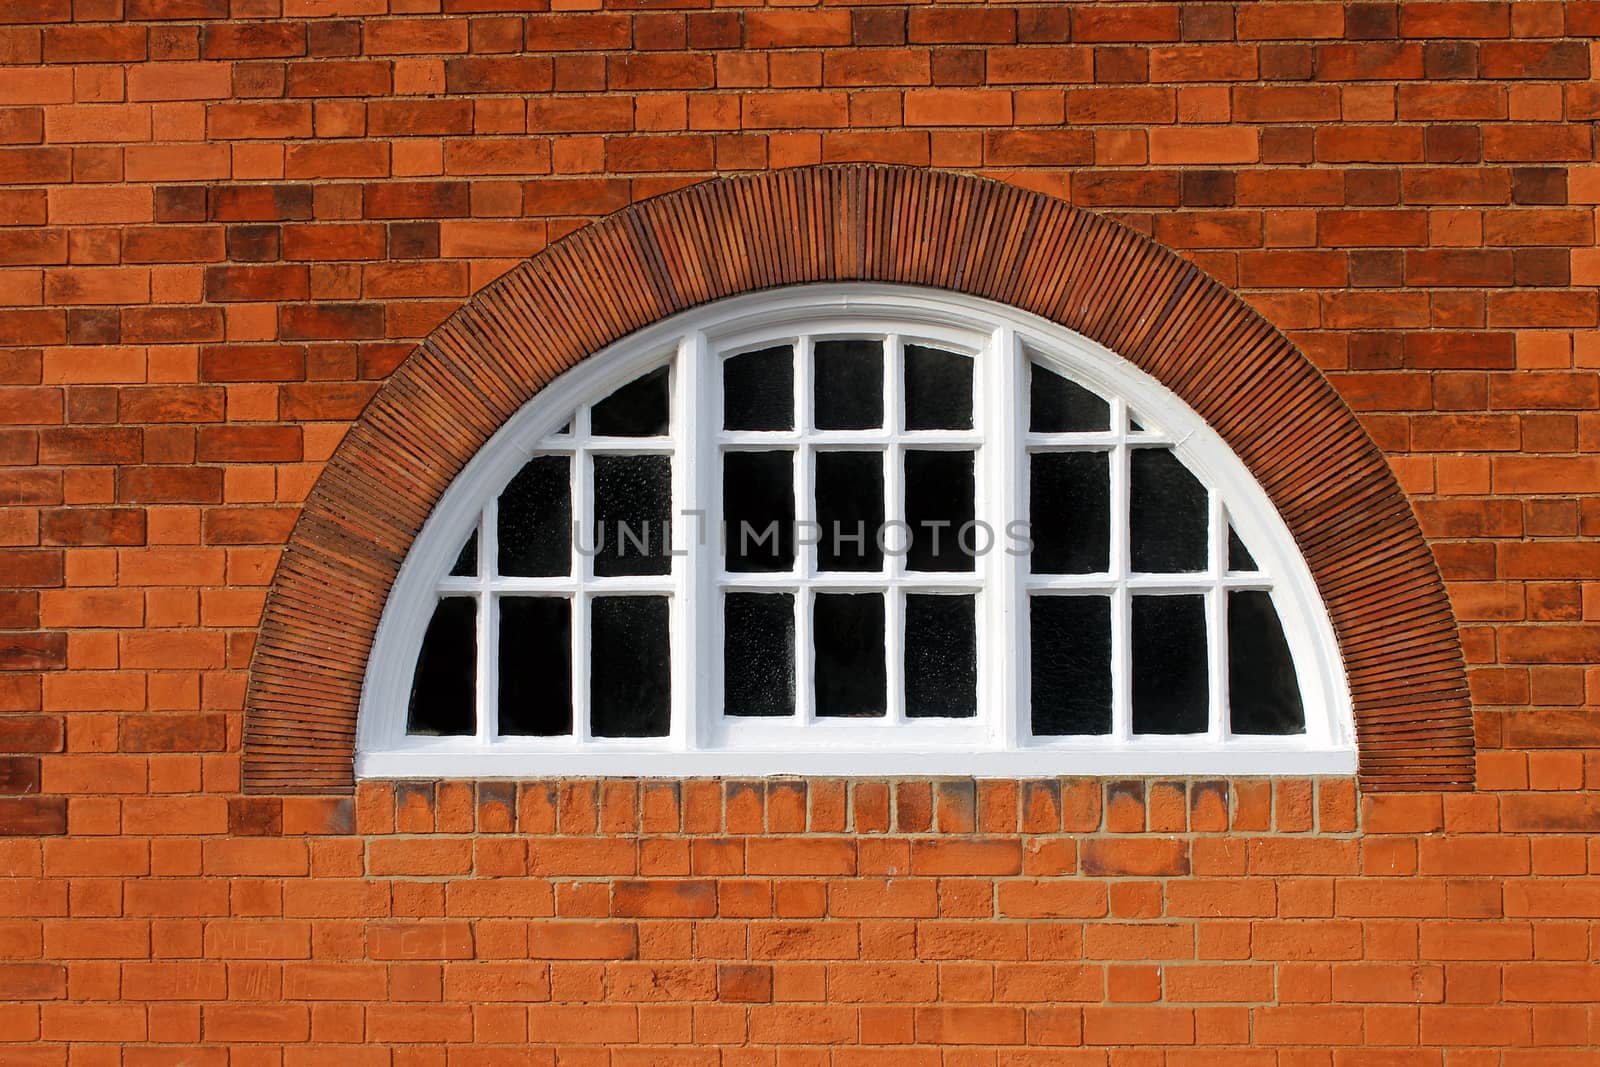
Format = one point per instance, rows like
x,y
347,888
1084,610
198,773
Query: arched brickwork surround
x,y
886,224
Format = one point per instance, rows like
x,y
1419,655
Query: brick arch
x,y
1328,480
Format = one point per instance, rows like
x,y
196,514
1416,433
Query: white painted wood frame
x,y
996,743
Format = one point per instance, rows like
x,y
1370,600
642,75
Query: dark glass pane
x,y
938,389
940,509
758,510
1239,557
1059,405
758,390
758,654
466,565
1069,641
1170,690
632,511
535,666
445,686
1167,515
1134,423
849,510
1263,693
639,409
850,671
1069,496
941,656
630,667
849,384
566,428
534,520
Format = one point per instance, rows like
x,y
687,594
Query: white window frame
x,y
995,744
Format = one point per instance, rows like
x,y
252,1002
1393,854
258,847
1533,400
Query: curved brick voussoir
x,y
1330,483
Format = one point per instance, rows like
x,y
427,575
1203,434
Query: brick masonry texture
x,y
225,223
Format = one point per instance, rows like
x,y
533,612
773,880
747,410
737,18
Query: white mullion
x,y
1121,598
1004,658
1143,583
805,700
1025,580
690,424
619,585
894,610
1217,618
1071,442
1073,584
894,643
804,487
630,446
533,586
754,438
698,655
855,582
941,438
805,697
580,668
894,507
582,573
709,553
580,419
459,586
488,622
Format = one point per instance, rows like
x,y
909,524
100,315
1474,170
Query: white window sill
x,y
1087,758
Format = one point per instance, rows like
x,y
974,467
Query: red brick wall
x,y
218,235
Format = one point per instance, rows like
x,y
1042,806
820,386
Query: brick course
x,y
224,224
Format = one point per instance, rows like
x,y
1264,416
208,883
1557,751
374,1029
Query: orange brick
x,y
1143,1026
266,1022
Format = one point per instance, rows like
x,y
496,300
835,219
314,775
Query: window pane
x,y
466,565
758,510
1263,692
941,656
639,409
938,389
758,390
534,520
1069,496
758,654
940,509
632,511
1059,405
849,510
630,667
1170,690
850,672
444,689
535,666
849,384
1069,641
1239,557
1168,519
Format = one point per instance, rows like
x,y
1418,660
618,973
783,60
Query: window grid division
x,y
1124,579
842,557
627,562
1122,584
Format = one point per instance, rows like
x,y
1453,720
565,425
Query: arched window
x,y
862,530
